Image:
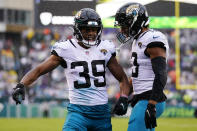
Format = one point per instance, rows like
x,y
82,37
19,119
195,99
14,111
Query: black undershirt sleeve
x,y
159,69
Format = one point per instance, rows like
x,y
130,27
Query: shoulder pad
x,y
62,40
108,45
60,44
156,36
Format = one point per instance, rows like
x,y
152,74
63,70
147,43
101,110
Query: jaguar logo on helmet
x,y
132,9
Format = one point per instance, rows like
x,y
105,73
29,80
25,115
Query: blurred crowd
x,y
17,59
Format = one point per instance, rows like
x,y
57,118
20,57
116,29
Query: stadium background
x,y
26,37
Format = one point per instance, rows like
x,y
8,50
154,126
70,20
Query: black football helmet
x,y
87,17
134,16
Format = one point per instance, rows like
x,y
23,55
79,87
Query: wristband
x,y
123,95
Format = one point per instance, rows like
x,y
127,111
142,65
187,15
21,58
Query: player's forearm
x,y
124,86
120,75
124,83
46,66
130,85
30,77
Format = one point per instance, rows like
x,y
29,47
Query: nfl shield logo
x,y
87,52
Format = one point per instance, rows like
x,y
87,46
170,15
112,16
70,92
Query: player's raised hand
x,y
18,93
121,106
150,116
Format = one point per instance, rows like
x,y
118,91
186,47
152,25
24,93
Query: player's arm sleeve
x,y
159,65
159,69
57,50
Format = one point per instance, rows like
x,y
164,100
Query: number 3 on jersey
x,y
135,65
86,75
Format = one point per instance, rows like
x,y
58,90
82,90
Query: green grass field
x,y
119,124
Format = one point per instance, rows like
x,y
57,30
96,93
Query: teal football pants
x,y
136,121
87,118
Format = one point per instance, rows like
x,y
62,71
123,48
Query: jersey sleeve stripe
x,y
63,62
99,42
113,54
154,44
53,52
72,43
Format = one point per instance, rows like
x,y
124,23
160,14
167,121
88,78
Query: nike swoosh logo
x,y
122,105
154,37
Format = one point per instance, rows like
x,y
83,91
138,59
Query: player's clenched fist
x,y
121,106
150,116
18,93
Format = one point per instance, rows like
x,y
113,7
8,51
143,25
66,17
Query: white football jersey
x,y
142,73
85,70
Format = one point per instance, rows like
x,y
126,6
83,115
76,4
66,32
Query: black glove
x,y
121,106
150,116
18,93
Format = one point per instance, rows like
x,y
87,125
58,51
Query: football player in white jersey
x,y
85,59
149,58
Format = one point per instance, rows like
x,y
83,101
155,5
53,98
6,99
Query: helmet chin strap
x,y
83,41
88,43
